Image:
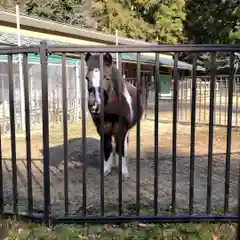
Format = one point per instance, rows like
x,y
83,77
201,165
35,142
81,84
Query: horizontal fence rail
x,y
16,50
154,48
81,215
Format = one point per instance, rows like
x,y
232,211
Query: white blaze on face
x,y
96,83
96,78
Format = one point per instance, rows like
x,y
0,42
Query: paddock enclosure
x,y
183,157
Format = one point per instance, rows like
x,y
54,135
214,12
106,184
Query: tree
x,y
73,12
10,5
111,15
149,20
158,21
169,19
212,21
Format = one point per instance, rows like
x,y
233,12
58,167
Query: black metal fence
x,y
174,216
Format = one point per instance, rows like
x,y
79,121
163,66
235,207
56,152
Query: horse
x,y
114,87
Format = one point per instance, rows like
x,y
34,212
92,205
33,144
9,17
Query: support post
x,y
22,110
77,78
117,61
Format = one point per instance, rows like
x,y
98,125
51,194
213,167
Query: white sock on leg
x,y
116,159
115,155
108,165
125,158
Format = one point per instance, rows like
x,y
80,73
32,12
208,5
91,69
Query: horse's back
x,y
128,112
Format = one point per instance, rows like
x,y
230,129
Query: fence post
x,y
45,125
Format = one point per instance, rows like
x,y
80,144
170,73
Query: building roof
x,y
35,24
9,19
10,39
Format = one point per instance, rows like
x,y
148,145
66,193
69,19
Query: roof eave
x,y
30,22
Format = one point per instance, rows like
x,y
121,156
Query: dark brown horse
x,y
114,86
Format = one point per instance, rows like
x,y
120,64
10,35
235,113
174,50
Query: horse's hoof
x,y
125,175
107,168
106,172
125,172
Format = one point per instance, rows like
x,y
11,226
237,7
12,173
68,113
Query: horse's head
x,y
93,77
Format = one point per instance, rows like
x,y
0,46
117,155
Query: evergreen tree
x,y
215,21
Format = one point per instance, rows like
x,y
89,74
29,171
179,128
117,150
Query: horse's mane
x,y
117,80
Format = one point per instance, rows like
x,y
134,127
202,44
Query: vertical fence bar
x,y
65,132
174,132
186,101
84,167
77,84
190,97
238,227
225,105
3,105
182,91
205,100
179,106
200,102
138,137
220,89
102,135
236,100
215,102
120,138
193,123
28,132
211,131
229,133
13,134
157,78
160,93
1,176
45,123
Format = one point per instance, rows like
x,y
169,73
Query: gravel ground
x,y
129,185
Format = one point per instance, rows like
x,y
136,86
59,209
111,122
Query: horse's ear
x,y
88,55
108,59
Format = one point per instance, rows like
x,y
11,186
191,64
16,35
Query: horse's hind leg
x,y
124,153
108,154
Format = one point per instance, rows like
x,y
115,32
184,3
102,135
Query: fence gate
x,y
212,89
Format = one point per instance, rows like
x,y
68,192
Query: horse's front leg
x,y
108,154
122,149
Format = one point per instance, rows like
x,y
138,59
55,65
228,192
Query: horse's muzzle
x,y
94,109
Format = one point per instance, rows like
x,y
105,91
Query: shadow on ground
x,y
111,186
75,151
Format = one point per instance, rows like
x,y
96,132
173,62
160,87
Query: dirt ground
x,y
220,100
75,157
202,112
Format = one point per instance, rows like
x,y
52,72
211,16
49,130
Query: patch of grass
x,y
13,230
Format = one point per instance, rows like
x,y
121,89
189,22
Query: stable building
x,y
33,30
